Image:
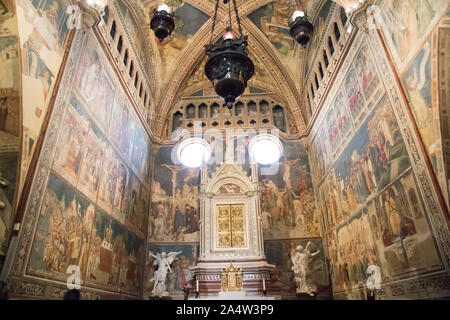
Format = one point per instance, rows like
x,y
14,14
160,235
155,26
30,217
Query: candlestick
x,y
264,284
197,286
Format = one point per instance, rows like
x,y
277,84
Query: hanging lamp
x,y
228,67
300,29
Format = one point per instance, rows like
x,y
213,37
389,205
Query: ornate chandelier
x,y
162,22
300,29
228,67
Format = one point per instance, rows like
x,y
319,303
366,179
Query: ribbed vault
x,y
177,63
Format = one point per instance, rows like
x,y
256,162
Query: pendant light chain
x,y
229,16
237,18
214,21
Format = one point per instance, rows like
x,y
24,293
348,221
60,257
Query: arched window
x,y
177,120
131,69
190,111
278,118
215,110
252,109
239,109
119,44
106,14
337,33
202,111
325,58
112,33
264,107
343,16
330,45
125,57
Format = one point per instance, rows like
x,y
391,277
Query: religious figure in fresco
x,y
419,93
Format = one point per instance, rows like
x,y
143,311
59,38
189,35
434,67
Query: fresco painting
x,y
132,265
352,251
7,192
71,142
401,230
122,128
373,212
174,212
405,24
42,49
141,152
10,120
92,162
392,232
418,88
278,253
63,232
106,249
188,20
371,160
94,212
288,204
272,19
138,210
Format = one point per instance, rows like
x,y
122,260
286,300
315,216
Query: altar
x,y
231,229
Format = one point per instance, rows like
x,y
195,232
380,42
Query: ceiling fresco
x,y
188,20
178,62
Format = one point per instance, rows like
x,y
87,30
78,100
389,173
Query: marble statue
x,y
164,261
300,259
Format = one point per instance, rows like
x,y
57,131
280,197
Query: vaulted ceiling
x,y
177,63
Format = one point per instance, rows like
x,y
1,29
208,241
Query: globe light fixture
x,y
300,29
193,152
350,5
98,5
265,149
162,22
228,67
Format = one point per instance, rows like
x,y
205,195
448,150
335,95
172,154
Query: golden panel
x,y
230,227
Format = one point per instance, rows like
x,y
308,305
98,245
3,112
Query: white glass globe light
x,y
193,152
266,149
298,13
163,7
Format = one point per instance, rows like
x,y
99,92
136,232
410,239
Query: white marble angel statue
x,y
300,259
159,277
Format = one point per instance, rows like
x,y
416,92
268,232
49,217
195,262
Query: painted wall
x,y
407,27
373,207
43,33
288,206
10,118
90,194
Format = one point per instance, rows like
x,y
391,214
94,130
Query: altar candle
x,y
197,285
264,284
